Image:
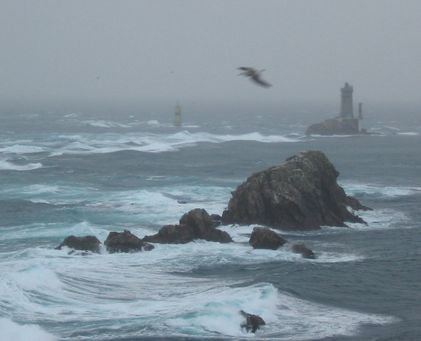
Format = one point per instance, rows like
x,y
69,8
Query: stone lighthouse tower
x,y
347,108
345,123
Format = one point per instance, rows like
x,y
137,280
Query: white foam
x,y
380,219
111,285
11,331
154,143
71,115
53,230
43,189
144,288
147,205
242,253
153,123
143,142
332,136
380,190
6,165
191,126
21,149
409,133
105,124
285,315
390,127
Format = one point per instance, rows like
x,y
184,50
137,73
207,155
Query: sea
x,y
107,167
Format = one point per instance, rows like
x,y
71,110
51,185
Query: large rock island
x,y
302,193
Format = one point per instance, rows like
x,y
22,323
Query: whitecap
x,y
287,317
409,133
21,149
147,205
23,332
71,115
242,253
362,189
105,124
153,123
145,289
155,143
381,219
6,165
191,126
111,285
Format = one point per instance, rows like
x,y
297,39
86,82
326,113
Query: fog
x,y
189,50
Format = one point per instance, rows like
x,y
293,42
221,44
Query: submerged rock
x,y
125,242
303,250
196,224
86,243
252,322
265,238
302,193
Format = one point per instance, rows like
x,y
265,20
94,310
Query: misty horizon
x,y
189,51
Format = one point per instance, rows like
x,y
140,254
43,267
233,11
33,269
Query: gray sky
x,y
190,49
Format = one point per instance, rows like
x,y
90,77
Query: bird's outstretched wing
x,y
256,78
244,68
254,75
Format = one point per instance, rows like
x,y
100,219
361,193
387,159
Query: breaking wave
x,y
7,165
23,332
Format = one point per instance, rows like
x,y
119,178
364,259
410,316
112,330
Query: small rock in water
x,y
86,243
303,250
265,238
195,224
252,323
125,242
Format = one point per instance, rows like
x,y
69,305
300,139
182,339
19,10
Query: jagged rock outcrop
x,y
85,243
302,193
125,242
252,322
303,250
265,238
196,224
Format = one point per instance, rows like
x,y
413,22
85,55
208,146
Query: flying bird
x,y
254,75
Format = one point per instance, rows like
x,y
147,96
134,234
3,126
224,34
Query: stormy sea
x,y
100,169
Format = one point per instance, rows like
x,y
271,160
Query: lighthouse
x,y
177,116
347,107
345,123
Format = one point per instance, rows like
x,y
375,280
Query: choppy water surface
x,y
73,173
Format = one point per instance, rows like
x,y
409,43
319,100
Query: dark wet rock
x,y
355,204
301,193
196,224
216,219
265,238
252,322
125,242
172,234
86,243
303,250
198,219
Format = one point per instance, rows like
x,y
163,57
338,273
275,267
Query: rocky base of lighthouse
x,y
335,126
